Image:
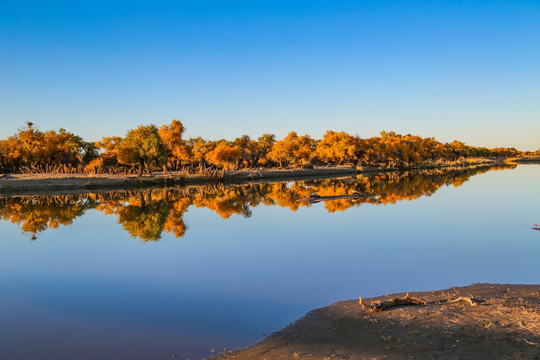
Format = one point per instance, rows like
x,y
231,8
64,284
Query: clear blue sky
x,y
467,70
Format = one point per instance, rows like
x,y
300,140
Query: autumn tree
x,y
108,143
502,152
254,151
23,148
108,158
31,147
459,149
292,150
305,148
247,149
29,144
200,148
265,142
142,146
283,151
224,155
5,153
63,147
338,148
178,150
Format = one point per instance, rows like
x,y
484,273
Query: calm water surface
x,y
145,275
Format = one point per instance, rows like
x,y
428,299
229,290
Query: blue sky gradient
x,y
466,70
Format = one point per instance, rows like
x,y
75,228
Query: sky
x,y
466,70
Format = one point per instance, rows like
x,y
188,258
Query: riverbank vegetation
x,y
148,148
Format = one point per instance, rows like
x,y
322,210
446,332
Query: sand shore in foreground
x,y
501,322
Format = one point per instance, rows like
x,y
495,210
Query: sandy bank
x,y
25,184
11,184
504,324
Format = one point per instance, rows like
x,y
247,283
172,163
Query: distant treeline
x,y
148,147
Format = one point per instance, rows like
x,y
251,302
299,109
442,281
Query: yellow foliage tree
x,y
224,155
338,148
178,151
292,150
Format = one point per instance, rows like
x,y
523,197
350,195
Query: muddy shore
x,y
501,322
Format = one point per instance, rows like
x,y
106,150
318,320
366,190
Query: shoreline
x,y
28,184
480,321
33,184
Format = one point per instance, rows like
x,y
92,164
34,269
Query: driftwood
x,y
531,342
316,198
407,300
469,300
378,306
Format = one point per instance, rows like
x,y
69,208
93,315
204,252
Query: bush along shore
x,y
50,182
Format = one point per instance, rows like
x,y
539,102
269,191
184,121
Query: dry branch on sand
x,y
385,305
408,300
469,300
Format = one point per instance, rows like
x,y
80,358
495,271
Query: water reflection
x,y
146,214
89,291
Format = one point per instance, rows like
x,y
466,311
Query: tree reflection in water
x,y
146,214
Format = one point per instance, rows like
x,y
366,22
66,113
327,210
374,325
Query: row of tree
x,y
147,214
148,147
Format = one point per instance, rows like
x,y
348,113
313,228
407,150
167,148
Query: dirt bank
x,y
25,184
43,183
501,322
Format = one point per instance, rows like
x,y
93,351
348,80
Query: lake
x,y
186,271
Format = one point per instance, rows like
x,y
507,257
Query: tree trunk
x,y
141,167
